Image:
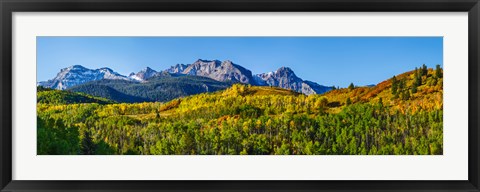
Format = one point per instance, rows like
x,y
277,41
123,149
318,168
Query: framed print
x,y
239,95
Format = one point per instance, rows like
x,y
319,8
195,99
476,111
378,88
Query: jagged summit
x,y
220,71
105,69
284,69
75,67
207,61
144,74
177,69
284,77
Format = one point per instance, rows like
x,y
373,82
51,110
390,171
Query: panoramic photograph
x,y
239,95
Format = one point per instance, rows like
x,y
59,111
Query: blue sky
x,y
325,60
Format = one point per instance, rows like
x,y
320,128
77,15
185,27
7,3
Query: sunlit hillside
x,y
402,115
50,96
427,94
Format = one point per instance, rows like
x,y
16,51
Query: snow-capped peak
x,y
144,74
284,77
77,74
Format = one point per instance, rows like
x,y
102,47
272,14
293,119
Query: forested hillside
x,y
51,96
162,88
402,115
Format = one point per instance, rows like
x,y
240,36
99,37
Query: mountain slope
x,y
77,75
284,77
310,87
428,94
50,96
161,88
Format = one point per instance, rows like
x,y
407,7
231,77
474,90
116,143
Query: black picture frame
x,y
7,7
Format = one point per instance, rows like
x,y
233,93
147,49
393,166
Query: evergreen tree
x,y
351,86
380,102
438,71
402,84
418,79
323,104
348,102
424,70
88,146
414,89
394,85
406,95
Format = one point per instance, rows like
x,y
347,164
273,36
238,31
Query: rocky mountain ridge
x,y
223,71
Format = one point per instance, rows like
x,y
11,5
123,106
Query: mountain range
x,y
217,75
